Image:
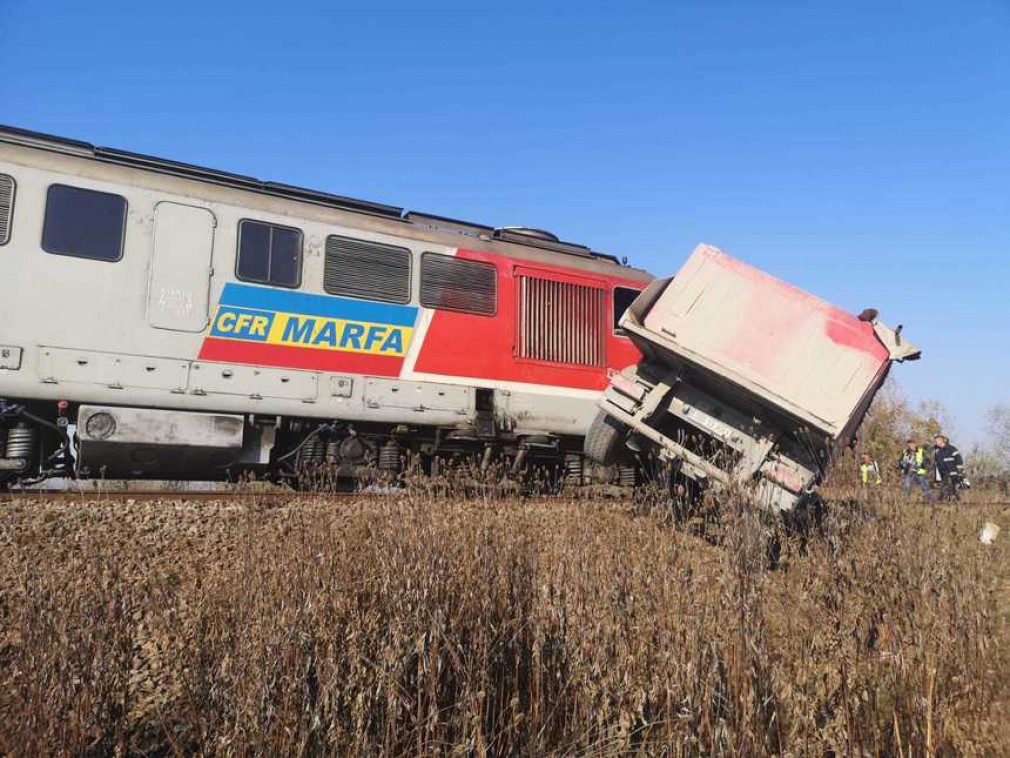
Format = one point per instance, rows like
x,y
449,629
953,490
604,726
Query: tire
x,y
605,439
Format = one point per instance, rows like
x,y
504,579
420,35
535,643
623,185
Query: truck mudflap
x,y
746,381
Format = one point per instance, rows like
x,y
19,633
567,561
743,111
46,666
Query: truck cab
x,y
745,380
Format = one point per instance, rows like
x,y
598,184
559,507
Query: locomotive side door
x,y
178,294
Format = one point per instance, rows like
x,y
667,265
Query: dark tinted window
x,y
623,298
455,284
269,254
369,270
84,223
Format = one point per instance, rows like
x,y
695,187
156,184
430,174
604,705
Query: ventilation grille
x,y
561,322
6,207
368,270
454,284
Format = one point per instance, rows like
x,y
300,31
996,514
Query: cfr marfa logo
x,y
310,331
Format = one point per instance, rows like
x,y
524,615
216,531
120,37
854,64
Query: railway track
x,y
251,496
279,495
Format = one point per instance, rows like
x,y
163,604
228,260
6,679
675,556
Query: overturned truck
x,y
745,381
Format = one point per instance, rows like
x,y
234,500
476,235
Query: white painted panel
x,y
179,288
534,413
253,381
417,396
116,371
786,346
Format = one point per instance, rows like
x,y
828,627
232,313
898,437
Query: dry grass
x,y
431,625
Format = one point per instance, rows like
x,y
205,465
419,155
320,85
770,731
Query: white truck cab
x,y
745,380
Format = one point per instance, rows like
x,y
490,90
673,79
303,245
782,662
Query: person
x,y
914,467
869,472
949,467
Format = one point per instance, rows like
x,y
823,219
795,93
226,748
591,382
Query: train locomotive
x,y
164,321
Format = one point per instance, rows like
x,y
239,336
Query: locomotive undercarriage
x,y
40,441
35,443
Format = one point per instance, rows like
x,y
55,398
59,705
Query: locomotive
x,y
165,321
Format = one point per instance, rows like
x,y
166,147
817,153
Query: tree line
x,y
893,419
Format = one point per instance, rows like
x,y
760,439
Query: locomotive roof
x,y
516,235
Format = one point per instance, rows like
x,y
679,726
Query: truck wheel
x,y
604,439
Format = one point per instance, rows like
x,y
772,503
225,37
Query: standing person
x,y
914,466
949,467
869,472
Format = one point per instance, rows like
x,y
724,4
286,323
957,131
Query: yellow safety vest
x,y
919,461
869,473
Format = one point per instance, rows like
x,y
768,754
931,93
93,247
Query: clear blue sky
x,y
858,151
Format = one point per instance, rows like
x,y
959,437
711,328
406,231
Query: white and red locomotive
x,y
193,324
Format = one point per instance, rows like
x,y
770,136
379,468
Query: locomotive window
x,y
369,270
455,284
623,298
6,207
84,223
269,254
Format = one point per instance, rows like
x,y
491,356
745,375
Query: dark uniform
x,y
949,470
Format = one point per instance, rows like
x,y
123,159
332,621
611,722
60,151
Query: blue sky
x,y
858,150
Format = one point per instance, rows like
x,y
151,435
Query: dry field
x,y
432,625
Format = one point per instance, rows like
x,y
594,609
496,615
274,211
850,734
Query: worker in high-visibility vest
x,y
914,466
869,472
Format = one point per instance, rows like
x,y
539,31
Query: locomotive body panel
x,y
169,324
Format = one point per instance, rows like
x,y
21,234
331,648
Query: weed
x,y
428,623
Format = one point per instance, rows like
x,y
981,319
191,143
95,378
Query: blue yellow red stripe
x,y
303,330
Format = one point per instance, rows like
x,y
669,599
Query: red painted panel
x,y
845,329
481,347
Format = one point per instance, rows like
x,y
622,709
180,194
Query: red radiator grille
x,y
561,322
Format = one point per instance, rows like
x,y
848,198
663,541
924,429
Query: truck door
x,y
181,265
